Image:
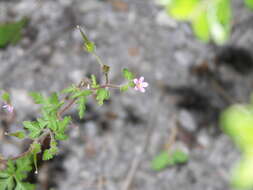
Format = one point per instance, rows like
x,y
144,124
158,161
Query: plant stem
x,y
59,115
38,140
98,59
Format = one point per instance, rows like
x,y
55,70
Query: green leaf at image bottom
x,y
165,159
12,177
237,122
243,174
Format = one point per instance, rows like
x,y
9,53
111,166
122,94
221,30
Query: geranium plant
x,y
52,122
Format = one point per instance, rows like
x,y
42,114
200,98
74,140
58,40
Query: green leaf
x,y
36,148
53,147
90,47
249,3
81,106
224,11
18,134
70,89
243,173
182,9
47,155
33,128
66,120
81,93
6,97
24,186
12,177
10,167
37,97
127,74
164,2
7,183
11,33
179,157
94,82
54,99
102,94
53,123
61,136
51,109
53,150
161,161
3,175
219,31
164,159
23,166
237,121
42,123
131,84
201,27
64,123
211,20
124,88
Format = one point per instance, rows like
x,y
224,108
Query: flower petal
x,y
142,90
144,84
5,106
136,88
141,79
136,81
8,107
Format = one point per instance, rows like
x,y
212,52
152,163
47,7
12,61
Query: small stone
x,y
76,76
163,19
74,132
204,139
187,121
10,150
22,100
91,129
119,5
58,58
183,58
87,6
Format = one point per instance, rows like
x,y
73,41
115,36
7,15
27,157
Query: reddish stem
x,y
59,115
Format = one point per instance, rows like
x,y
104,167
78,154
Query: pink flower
x,y
140,84
8,107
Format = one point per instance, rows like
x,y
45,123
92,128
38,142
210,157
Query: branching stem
x,y
47,132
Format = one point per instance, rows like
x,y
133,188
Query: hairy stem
x,y
38,140
47,132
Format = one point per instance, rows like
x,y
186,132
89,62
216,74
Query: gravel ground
x,y
138,35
